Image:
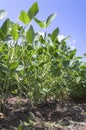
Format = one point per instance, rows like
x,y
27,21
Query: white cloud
x,y
41,33
60,37
72,44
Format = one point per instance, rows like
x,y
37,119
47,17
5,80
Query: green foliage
x,y
35,65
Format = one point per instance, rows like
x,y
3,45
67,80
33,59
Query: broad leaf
x,y
42,24
32,12
30,35
54,34
72,53
3,13
13,65
24,17
50,19
4,29
5,26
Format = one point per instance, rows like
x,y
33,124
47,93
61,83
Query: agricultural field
x,y
42,81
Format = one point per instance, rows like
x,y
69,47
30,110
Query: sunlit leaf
x,y
24,17
13,65
42,24
50,19
32,12
30,35
55,34
14,32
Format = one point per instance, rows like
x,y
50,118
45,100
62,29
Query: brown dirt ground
x,y
54,115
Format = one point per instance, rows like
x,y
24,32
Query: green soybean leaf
x,y
54,34
4,29
2,35
24,17
14,32
50,19
14,65
3,13
32,12
72,53
30,35
5,26
42,24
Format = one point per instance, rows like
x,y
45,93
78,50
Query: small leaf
x,y
3,13
50,19
54,34
24,17
42,24
32,12
30,35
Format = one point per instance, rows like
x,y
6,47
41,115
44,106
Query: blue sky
x,y
71,17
